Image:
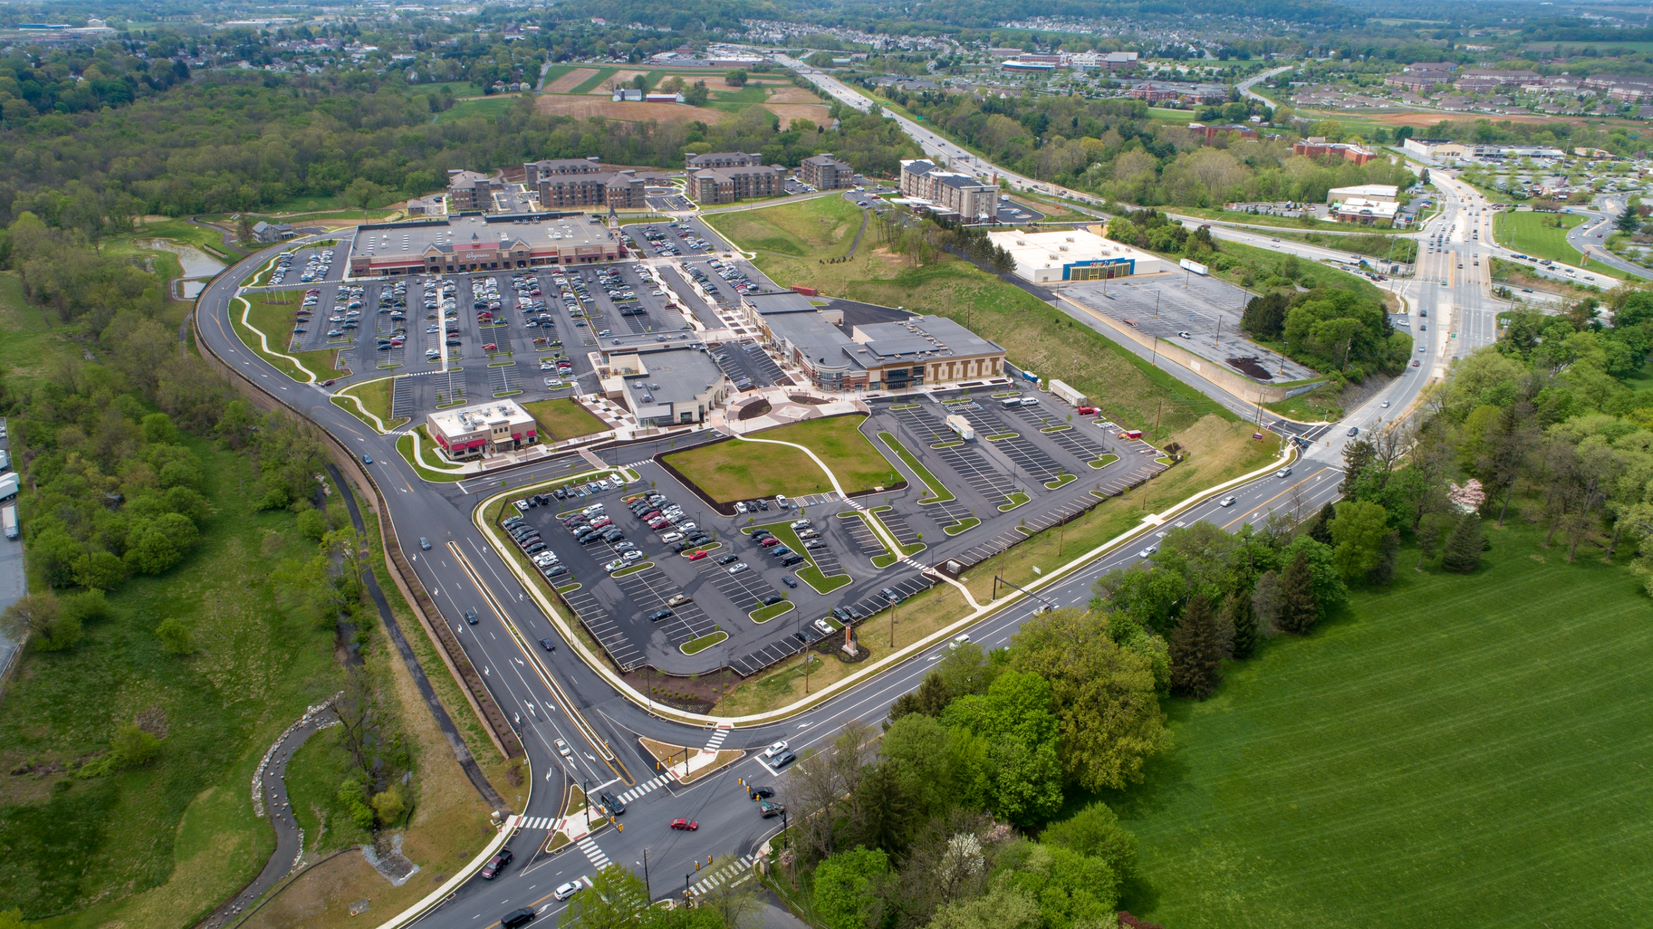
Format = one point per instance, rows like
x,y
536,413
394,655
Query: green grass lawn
x,y
483,105
375,396
734,470
207,240
563,419
1164,115
313,779
163,844
1458,752
1541,235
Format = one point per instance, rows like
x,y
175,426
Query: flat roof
x,y
1062,247
467,419
673,375
538,231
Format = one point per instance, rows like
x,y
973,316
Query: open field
x,y
1541,235
587,106
563,419
1458,752
569,80
735,470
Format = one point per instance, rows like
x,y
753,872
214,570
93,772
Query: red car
x,y
1087,411
696,556
490,347
497,865
685,825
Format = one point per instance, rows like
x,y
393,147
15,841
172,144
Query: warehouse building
x,y
1074,255
472,432
1362,212
1435,149
949,192
1380,193
876,349
481,243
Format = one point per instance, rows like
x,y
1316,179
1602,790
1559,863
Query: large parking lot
x,y
1201,314
666,581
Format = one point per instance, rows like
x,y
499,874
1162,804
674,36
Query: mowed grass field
x,y
735,470
1467,752
1542,235
563,419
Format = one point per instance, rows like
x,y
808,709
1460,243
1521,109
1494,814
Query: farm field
x,y
1458,751
584,91
735,470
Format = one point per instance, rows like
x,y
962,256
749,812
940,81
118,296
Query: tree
x,y
850,888
389,806
175,636
1104,694
735,78
42,619
1095,831
697,95
362,193
1198,647
1018,735
616,899
1361,538
1629,221
1299,607
1240,615
133,746
1072,889
1462,554
1000,908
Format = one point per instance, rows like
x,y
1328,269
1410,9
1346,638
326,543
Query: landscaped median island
x,y
709,640
264,323
810,573
938,491
418,450
733,470
372,398
764,614
688,765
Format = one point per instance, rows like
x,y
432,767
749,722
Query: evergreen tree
x,y
1299,607
1241,616
1463,548
1628,221
1198,647
1321,529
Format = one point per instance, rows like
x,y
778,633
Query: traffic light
x,y
741,781
708,861
621,827
697,865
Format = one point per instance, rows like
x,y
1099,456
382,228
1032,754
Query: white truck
x,y
1067,394
9,485
961,427
8,519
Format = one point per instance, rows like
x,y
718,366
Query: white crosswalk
x,y
592,852
537,822
717,738
732,873
644,788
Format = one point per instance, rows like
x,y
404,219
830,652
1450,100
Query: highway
x,y
556,695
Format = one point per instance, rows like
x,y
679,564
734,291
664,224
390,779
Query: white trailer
x,y
1067,394
8,519
1194,266
9,485
962,427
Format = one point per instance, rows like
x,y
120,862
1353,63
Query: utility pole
x,y
646,890
894,607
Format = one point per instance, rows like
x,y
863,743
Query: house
x,y
269,233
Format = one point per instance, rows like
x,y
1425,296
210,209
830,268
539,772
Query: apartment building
x,y
726,185
533,171
471,191
722,160
620,190
825,172
948,191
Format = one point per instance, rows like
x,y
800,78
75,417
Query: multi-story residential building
x,y
722,160
1318,147
825,172
532,171
620,190
726,185
949,191
471,192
